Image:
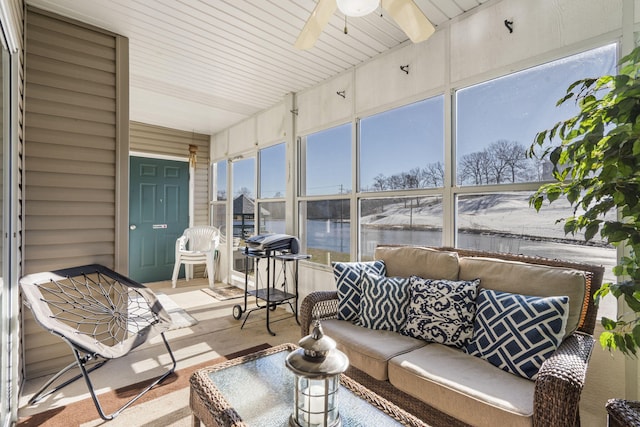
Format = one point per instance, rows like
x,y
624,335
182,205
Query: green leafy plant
x,y
596,166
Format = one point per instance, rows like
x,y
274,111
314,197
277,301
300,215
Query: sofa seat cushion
x,y
530,279
465,387
367,349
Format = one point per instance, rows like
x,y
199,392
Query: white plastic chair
x,y
197,245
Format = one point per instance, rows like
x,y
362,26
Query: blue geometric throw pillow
x,y
384,302
442,311
348,276
517,333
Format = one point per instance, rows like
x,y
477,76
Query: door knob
x,y
132,227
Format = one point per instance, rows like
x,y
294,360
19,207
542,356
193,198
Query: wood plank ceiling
x,y
203,65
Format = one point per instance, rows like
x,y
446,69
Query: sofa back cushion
x,y
407,261
384,302
441,311
348,277
530,279
517,333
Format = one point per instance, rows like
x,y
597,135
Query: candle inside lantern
x,y
313,404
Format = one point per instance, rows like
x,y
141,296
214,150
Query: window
x,y
327,162
327,229
401,152
220,181
496,121
403,148
219,202
504,222
272,217
273,172
272,184
244,183
325,221
399,220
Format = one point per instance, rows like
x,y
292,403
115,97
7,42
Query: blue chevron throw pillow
x,y
348,276
442,311
517,333
384,303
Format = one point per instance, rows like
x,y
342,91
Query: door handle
x,y
132,227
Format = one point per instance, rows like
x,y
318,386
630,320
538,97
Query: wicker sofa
x,y
446,386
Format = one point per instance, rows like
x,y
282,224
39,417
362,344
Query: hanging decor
x,y
193,149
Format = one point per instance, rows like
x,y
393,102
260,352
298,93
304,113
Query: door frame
x,y
191,192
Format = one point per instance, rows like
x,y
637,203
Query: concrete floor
x,y
217,333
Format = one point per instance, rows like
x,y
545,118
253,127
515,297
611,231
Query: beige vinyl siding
x,y
71,201
157,140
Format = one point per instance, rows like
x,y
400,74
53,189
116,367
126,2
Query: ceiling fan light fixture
x,y
356,8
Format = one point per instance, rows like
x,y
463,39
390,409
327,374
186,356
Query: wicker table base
x,y
264,381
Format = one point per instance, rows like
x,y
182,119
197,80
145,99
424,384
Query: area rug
x,y
179,317
225,293
85,411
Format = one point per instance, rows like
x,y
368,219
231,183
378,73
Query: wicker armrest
x,y
560,382
317,305
623,413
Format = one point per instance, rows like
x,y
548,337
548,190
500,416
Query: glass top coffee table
x,y
257,390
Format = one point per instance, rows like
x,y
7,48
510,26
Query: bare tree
x,y
433,175
512,155
380,182
475,166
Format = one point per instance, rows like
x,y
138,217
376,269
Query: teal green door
x,y
158,214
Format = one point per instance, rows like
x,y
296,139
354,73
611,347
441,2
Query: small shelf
x,y
292,257
275,295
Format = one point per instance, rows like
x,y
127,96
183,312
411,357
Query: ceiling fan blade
x,y
410,18
315,24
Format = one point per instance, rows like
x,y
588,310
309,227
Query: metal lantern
x,y
317,366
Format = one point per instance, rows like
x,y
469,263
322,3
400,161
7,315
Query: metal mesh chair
x,y
101,314
197,245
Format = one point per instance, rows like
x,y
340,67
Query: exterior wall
x,y
472,48
172,143
74,136
156,140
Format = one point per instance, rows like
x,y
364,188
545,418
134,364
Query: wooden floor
x,y
217,333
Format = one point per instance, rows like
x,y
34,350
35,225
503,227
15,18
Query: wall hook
x,y
405,68
509,25
341,93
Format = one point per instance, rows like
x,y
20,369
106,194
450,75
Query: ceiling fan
x,y
406,13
